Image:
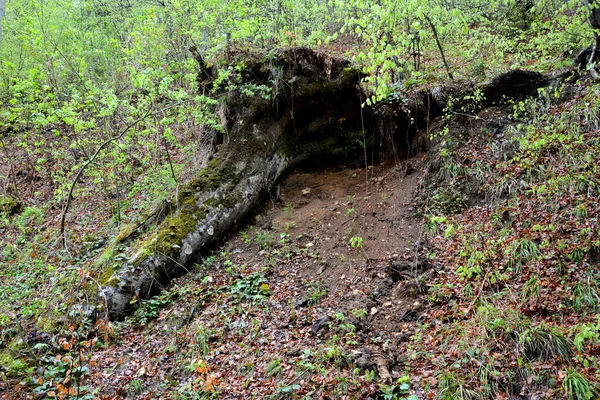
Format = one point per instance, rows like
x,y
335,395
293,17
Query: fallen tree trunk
x,y
316,111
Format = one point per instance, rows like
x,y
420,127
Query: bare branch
x,y
83,168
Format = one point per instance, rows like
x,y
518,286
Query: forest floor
x,y
468,272
325,279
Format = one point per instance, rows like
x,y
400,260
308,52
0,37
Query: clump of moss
x,y
126,232
175,228
231,199
9,360
107,277
9,206
210,177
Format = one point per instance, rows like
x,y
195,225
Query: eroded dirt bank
x,y
329,277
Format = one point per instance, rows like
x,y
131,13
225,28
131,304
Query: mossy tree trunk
x,y
316,111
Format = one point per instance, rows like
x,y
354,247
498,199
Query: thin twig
x,y
80,172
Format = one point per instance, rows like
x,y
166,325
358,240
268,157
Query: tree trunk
x,y
2,10
315,112
594,19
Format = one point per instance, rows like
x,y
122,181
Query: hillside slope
x,y
467,272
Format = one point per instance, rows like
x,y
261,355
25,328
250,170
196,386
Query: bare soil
x,y
341,246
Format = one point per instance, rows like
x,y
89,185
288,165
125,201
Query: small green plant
x,y
521,251
577,387
202,340
432,225
284,238
585,295
333,353
586,332
342,386
358,313
264,239
209,261
288,209
396,391
285,391
476,260
135,387
245,237
274,367
150,308
252,288
316,291
290,226
356,242
545,343
30,215
369,375
454,388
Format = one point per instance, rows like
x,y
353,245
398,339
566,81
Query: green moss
x,y
174,230
106,257
9,360
171,232
210,177
107,277
49,322
9,206
105,264
126,232
231,199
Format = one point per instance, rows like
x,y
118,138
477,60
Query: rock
x,y
303,302
408,316
365,361
293,353
401,271
382,368
319,324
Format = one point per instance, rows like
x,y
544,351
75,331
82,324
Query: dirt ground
x,y
341,247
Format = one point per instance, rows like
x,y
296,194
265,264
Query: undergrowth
x,y
521,268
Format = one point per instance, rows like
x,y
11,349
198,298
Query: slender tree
x,y
1,18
